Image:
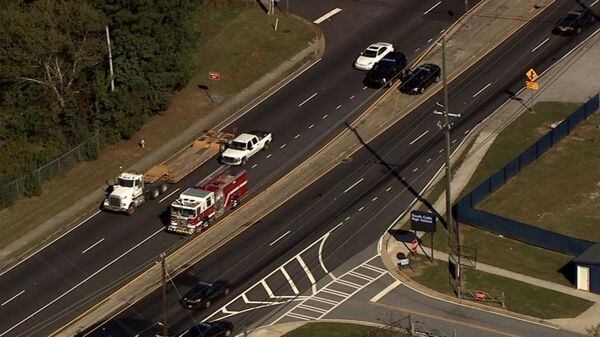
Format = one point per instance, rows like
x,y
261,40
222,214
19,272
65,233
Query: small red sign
x,y
480,295
214,75
414,244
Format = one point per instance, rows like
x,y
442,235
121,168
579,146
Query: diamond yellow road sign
x,y
532,75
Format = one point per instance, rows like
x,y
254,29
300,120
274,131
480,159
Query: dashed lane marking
x,y
327,15
12,298
92,246
432,8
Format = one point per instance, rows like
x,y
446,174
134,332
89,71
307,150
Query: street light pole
x,y
110,62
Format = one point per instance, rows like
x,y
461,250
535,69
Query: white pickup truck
x,y
245,146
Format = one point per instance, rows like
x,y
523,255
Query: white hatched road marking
x,y
281,298
326,289
310,276
290,281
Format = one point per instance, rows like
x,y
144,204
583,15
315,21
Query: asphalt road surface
x,y
65,278
346,211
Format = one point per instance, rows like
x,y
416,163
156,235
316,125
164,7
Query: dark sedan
x,y
209,329
386,71
203,293
574,22
416,81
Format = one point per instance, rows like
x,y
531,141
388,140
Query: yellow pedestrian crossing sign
x,y
532,75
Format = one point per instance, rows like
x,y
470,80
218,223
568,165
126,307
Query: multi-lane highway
x,y
102,253
281,257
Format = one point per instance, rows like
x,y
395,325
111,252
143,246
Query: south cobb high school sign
x,y
423,221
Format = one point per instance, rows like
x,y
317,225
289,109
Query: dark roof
x,y
589,256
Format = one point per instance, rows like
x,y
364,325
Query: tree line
x,y
55,85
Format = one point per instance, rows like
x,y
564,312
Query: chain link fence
x,y
31,183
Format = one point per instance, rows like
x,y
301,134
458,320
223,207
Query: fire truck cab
x,y
197,207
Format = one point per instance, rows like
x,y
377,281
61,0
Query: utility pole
x,y
164,294
453,233
110,63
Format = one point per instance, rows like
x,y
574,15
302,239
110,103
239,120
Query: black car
x,y
209,329
202,294
574,22
386,70
416,81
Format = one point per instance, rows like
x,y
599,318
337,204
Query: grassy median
x,y
341,330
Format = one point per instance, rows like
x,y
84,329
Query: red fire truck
x,y
197,207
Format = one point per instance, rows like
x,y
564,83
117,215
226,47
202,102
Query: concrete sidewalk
x,y
572,79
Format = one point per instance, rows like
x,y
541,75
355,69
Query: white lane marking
x,y
539,45
454,141
327,15
289,279
282,146
311,126
279,238
49,243
441,150
360,209
374,199
269,95
12,298
82,282
356,183
365,88
92,246
168,195
269,155
417,50
308,99
297,136
593,3
321,261
352,97
416,169
429,40
253,166
324,116
482,89
432,8
337,107
428,160
310,276
385,291
347,218
336,226
388,189
416,139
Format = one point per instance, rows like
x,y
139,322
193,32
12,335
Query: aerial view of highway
x,y
244,168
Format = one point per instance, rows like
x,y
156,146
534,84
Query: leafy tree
x,y
593,331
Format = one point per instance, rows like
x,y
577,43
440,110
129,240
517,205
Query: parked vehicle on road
x,y
575,22
245,146
209,329
132,189
373,54
201,295
197,207
415,82
386,71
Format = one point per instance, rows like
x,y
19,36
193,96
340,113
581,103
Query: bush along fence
x,y
465,211
31,183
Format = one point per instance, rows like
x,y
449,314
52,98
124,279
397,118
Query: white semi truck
x,y
132,189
